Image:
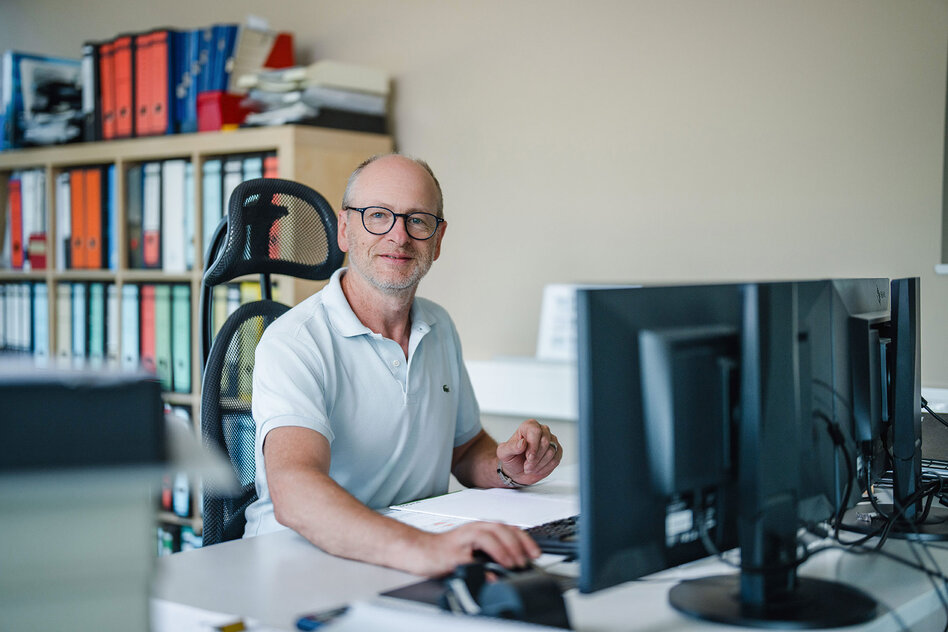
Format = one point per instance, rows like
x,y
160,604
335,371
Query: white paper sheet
x,y
510,506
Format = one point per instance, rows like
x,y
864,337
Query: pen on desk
x,y
316,620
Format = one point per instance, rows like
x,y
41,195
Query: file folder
x,y
107,88
64,322
147,328
189,216
63,221
172,216
17,252
162,333
79,324
211,186
151,215
96,325
134,197
112,329
40,321
77,195
181,337
110,229
144,81
130,326
93,214
91,90
123,60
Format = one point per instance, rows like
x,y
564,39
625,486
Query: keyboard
x,y
560,537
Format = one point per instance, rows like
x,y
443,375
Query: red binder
x,y
147,331
16,223
143,83
124,87
93,214
107,88
77,195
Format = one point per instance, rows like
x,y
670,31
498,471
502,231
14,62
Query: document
x,y
510,506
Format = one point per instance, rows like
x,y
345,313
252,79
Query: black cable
x,y
933,413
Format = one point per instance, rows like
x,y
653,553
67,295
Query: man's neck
x,y
385,313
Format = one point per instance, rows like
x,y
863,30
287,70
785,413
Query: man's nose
x,y
399,232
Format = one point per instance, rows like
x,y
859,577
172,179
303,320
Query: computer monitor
x,y
717,416
889,424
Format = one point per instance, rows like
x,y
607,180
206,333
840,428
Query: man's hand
x,y
531,453
439,553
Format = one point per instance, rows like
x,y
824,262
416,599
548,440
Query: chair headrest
x,y
277,226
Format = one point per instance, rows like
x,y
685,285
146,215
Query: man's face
x,y
392,262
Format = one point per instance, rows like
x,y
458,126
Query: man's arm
x,y
308,501
527,457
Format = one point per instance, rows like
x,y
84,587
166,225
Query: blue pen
x,y
316,621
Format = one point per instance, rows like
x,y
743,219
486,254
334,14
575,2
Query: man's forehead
x,y
396,179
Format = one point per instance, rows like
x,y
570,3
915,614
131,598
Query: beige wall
x,y
632,141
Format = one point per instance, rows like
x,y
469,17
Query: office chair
x,y
272,226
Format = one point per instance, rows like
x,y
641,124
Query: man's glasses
x,y
378,220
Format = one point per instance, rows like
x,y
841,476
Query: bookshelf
x,y
318,157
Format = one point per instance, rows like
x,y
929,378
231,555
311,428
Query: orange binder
x,y
162,99
77,195
93,211
143,82
271,166
16,223
124,87
107,88
147,330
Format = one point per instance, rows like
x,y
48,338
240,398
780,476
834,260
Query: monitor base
x,y
814,604
863,519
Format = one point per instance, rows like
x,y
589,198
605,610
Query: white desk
x,y
277,577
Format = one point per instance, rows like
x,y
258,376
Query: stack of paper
x,y
326,93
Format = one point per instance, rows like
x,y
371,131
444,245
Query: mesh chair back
x,y
226,420
277,227
273,227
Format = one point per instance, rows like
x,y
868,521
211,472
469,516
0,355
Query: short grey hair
x,y
368,161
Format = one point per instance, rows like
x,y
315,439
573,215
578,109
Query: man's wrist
x,y
505,479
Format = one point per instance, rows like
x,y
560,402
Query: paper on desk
x,y
425,521
363,616
169,616
510,506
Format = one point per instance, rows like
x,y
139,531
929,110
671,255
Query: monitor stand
x,y
814,603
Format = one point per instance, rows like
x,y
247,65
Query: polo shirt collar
x,y
344,320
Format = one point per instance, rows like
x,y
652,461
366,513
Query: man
x,y
361,398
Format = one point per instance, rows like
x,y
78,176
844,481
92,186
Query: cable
x,y
933,413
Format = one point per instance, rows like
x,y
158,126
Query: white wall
x,y
632,141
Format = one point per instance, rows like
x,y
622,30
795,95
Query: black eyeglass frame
x,y
395,216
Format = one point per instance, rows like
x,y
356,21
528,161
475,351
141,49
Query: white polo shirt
x,y
391,423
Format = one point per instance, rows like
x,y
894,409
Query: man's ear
x,y
439,237
342,231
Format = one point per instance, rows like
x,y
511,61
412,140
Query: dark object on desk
x,y
272,226
558,537
59,419
529,595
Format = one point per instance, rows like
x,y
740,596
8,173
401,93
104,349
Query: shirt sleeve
x,y
288,387
469,412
